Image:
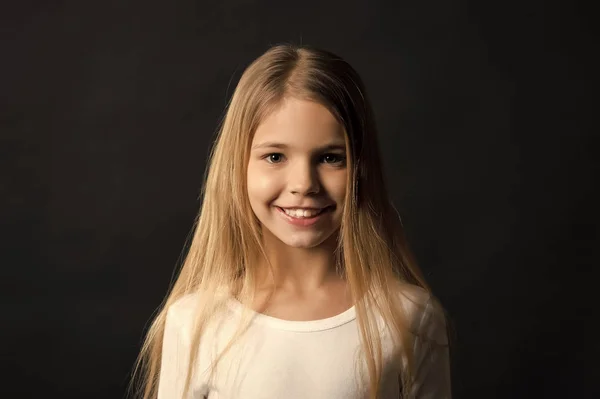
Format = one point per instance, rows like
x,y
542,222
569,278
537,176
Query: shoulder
x,y
180,313
184,305
183,309
425,313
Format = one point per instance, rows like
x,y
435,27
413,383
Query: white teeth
x,y
301,213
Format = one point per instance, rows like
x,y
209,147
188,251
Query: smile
x,y
303,218
302,213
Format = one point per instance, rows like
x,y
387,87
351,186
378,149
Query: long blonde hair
x,y
372,252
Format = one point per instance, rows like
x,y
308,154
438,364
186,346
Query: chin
x,y
304,240
301,243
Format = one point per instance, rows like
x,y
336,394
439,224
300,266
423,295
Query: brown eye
x,y
274,158
333,158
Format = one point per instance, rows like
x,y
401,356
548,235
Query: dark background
x,y
109,109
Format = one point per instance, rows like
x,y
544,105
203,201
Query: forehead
x,y
299,122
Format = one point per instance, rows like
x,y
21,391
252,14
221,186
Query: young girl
x,y
298,282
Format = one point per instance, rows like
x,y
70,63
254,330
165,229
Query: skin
x,y
301,174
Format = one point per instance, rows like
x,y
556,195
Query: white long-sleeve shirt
x,y
280,359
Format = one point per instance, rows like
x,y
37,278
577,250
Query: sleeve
x,y
432,356
175,358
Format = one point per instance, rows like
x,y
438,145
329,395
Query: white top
x,y
280,359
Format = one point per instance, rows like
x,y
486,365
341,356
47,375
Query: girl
x,y
298,282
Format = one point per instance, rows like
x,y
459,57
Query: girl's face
x,y
298,164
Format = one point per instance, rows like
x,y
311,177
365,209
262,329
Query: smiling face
x,y
298,160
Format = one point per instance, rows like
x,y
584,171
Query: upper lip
x,y
308,208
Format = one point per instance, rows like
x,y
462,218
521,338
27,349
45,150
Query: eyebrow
x,y
327,147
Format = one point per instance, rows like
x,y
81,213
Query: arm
x,y
432,357
175,358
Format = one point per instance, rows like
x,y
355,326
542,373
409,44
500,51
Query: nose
x,y
304,179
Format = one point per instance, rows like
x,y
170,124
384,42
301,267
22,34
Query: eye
x,y
274,157
333,158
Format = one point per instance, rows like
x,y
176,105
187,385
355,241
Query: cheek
x,y
336,186
260,185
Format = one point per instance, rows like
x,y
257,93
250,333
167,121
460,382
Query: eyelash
x,y
340,158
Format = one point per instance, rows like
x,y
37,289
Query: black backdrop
x,y
109,109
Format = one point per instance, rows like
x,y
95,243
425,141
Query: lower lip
x,y
303,222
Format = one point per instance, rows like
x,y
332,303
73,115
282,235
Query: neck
x,y
297,270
